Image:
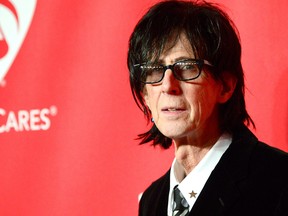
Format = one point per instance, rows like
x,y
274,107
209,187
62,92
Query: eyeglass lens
x,y
182,70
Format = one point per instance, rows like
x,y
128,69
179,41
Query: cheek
x,y
202,104
150,98
197,105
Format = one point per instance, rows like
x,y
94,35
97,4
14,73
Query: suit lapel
x,y
223,188
162,196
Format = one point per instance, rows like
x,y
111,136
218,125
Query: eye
x,y
191,66
186,70
150,69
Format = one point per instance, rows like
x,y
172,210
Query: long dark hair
x,y
212,35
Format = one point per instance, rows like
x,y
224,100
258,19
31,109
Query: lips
x,y
173,112
172,109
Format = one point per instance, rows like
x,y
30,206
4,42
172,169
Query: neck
x,y
189,151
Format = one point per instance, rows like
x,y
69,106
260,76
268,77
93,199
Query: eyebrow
x,y
161,61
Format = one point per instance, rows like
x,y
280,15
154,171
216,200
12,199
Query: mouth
x,y
172,109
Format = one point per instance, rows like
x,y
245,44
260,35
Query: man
x,y
186,75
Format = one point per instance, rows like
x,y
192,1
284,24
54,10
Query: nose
x,y
170,85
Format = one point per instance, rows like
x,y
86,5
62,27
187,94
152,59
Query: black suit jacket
x,y
251,178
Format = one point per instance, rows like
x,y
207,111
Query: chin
x,y
174,134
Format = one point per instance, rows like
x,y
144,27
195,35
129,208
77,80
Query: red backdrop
x,y
67,117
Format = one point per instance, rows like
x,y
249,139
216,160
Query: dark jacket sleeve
x,y
282,207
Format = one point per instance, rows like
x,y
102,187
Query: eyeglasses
x,y
184,70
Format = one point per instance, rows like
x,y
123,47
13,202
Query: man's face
x,y
184,109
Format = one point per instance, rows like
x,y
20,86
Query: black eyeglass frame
x,y
199,62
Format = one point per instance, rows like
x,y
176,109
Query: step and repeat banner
x,y
68,122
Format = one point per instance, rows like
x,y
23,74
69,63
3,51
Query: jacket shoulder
x,y
154,200
270,161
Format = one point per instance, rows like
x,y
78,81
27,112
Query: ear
x,y
228,86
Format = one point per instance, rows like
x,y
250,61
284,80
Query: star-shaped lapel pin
x,y
193,194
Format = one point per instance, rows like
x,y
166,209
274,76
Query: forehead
x,y
177,48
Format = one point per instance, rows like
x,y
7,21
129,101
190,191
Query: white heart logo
x,y
15,20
